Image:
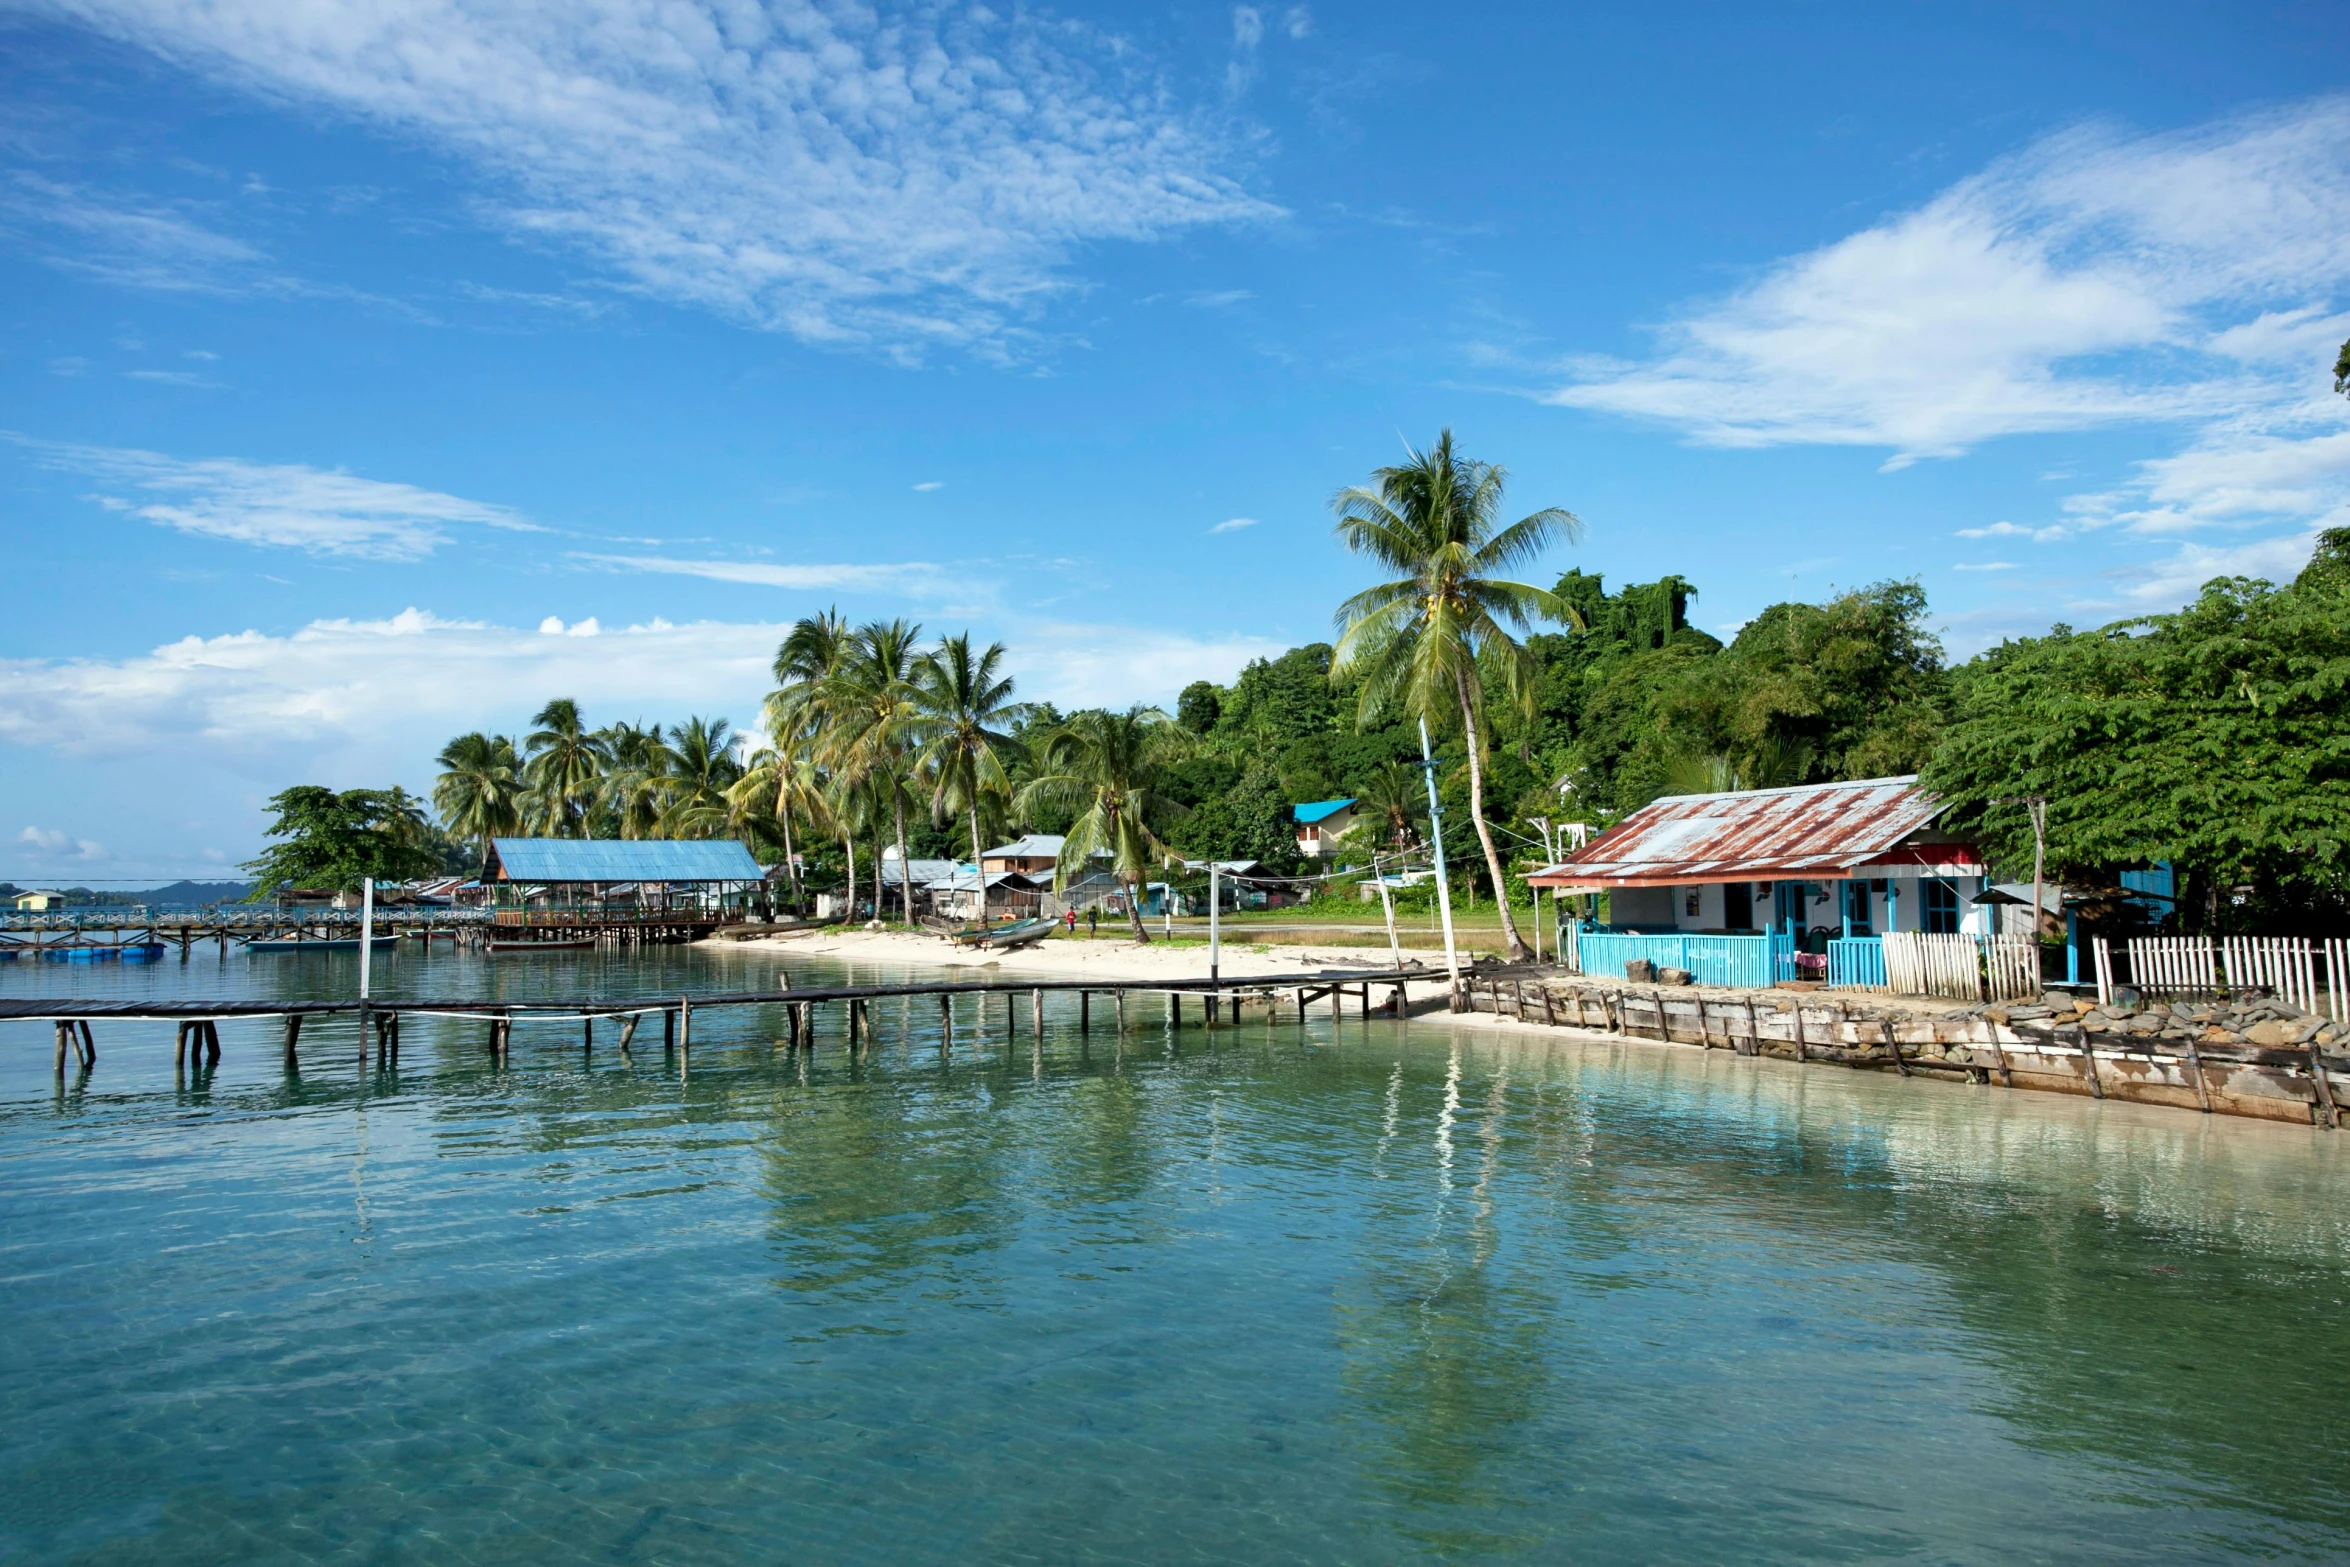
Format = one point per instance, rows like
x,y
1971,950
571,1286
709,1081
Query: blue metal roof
x,y
623,859
1307,815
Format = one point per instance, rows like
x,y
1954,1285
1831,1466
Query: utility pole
x,y
1452,961
1215,940
366,952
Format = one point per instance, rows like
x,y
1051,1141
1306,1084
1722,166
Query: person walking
x,y
1070,917
1093,918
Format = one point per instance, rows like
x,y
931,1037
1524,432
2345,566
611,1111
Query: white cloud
x,y
819,168
927,485
124,240
2010,530
767,574
1233,524
2089,281
283,504
1986,565
2160,584
1297,21
1213,299
174,378
51,845
377,698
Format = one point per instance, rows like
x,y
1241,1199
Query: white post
x,y
366,930
1534,894
1452,960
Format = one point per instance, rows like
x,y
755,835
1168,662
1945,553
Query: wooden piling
x,y
2328,1116
64,1033
293,1034
1036,1013
179,1045
1084,1013
2088,1062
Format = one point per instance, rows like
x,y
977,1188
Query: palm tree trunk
x,y
791,870
1518,950
905,868
1142,938
978,865
849,842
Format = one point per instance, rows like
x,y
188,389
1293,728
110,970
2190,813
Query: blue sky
x,y
369,374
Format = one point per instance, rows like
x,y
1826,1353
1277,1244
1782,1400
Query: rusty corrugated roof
x,y
1813,830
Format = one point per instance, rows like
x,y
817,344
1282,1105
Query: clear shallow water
x,y
1351,1293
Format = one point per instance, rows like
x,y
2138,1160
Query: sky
x,y
370,374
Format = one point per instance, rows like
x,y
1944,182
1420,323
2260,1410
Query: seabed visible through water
x,y
1357,1291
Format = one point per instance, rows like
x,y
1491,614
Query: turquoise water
x,y
1352,1293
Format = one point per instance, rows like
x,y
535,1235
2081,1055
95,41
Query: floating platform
x,y
317,944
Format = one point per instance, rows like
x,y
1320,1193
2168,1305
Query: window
x,y
1689,903
1940,915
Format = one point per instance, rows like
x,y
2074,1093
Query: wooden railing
x,y
2311,974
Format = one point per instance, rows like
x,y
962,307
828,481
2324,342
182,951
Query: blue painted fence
x,y
1857,962
1752,961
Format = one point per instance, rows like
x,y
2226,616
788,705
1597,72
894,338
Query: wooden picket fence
x,y
2312,975
1963,968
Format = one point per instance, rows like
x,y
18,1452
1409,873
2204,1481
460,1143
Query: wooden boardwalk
x,y
378,1019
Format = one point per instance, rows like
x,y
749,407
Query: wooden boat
x,y
558,944
1004,938
317,944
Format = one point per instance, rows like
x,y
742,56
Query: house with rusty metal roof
x,y
1838,859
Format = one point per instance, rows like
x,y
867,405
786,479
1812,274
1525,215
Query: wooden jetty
x,y
197,1040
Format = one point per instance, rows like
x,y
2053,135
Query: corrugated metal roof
x,y
1822,830
1036,846
623,859
1316,810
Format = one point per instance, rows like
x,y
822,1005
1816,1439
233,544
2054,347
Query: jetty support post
x,y
1036,1014
179,1045
1084,1012
2328,1116
946,1021
293,1034
627,1032
64,1033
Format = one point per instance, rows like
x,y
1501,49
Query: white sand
x,y
1103,958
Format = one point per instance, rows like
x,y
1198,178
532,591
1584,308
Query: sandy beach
x,y
1103,958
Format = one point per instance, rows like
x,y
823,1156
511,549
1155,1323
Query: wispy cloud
x,y
1233,524
175,378
2094,280
2010,530
1212,299
771,574
125,240
1985,565
901,180
288,505
927,485
51,844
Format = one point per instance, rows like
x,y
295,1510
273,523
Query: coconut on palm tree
x,y
565,762
1417,642
1106,767
479,791
962,707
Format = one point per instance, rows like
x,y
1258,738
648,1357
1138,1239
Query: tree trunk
x,y
1518,950
849,842
791,869
905,869
1142,938
978,865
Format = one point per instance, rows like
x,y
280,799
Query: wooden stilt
x,y
179,1045
211,1042
2089,1063
1801,1054
587,1033
2328,1117
668,1030
1999,1054
2195,1068
1036,1013
1893,1044
627,1032
1121,995
1084,1012
64,1032
293,1035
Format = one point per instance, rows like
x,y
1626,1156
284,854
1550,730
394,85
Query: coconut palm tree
x,y
870,722
479,791
793,717
1416,642
1106,767
565,761
1398,799
702,768
634,788
962,707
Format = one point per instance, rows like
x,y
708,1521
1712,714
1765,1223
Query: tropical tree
x,y
635,786
1416,643
326,839
479,791
702,768
871,728
1106,767
963,707
1397,797
564,762
788,776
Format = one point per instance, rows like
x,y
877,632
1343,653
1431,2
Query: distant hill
x,y
182,894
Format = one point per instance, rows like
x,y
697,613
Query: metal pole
x,y
1215,937
1387,907
366,930
1452,960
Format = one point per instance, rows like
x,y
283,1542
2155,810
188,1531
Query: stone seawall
x,y
2253,1056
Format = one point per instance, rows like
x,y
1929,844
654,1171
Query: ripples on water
x,y
1344,1293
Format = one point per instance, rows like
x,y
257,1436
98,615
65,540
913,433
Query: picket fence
x,y
1963,968
2312,975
